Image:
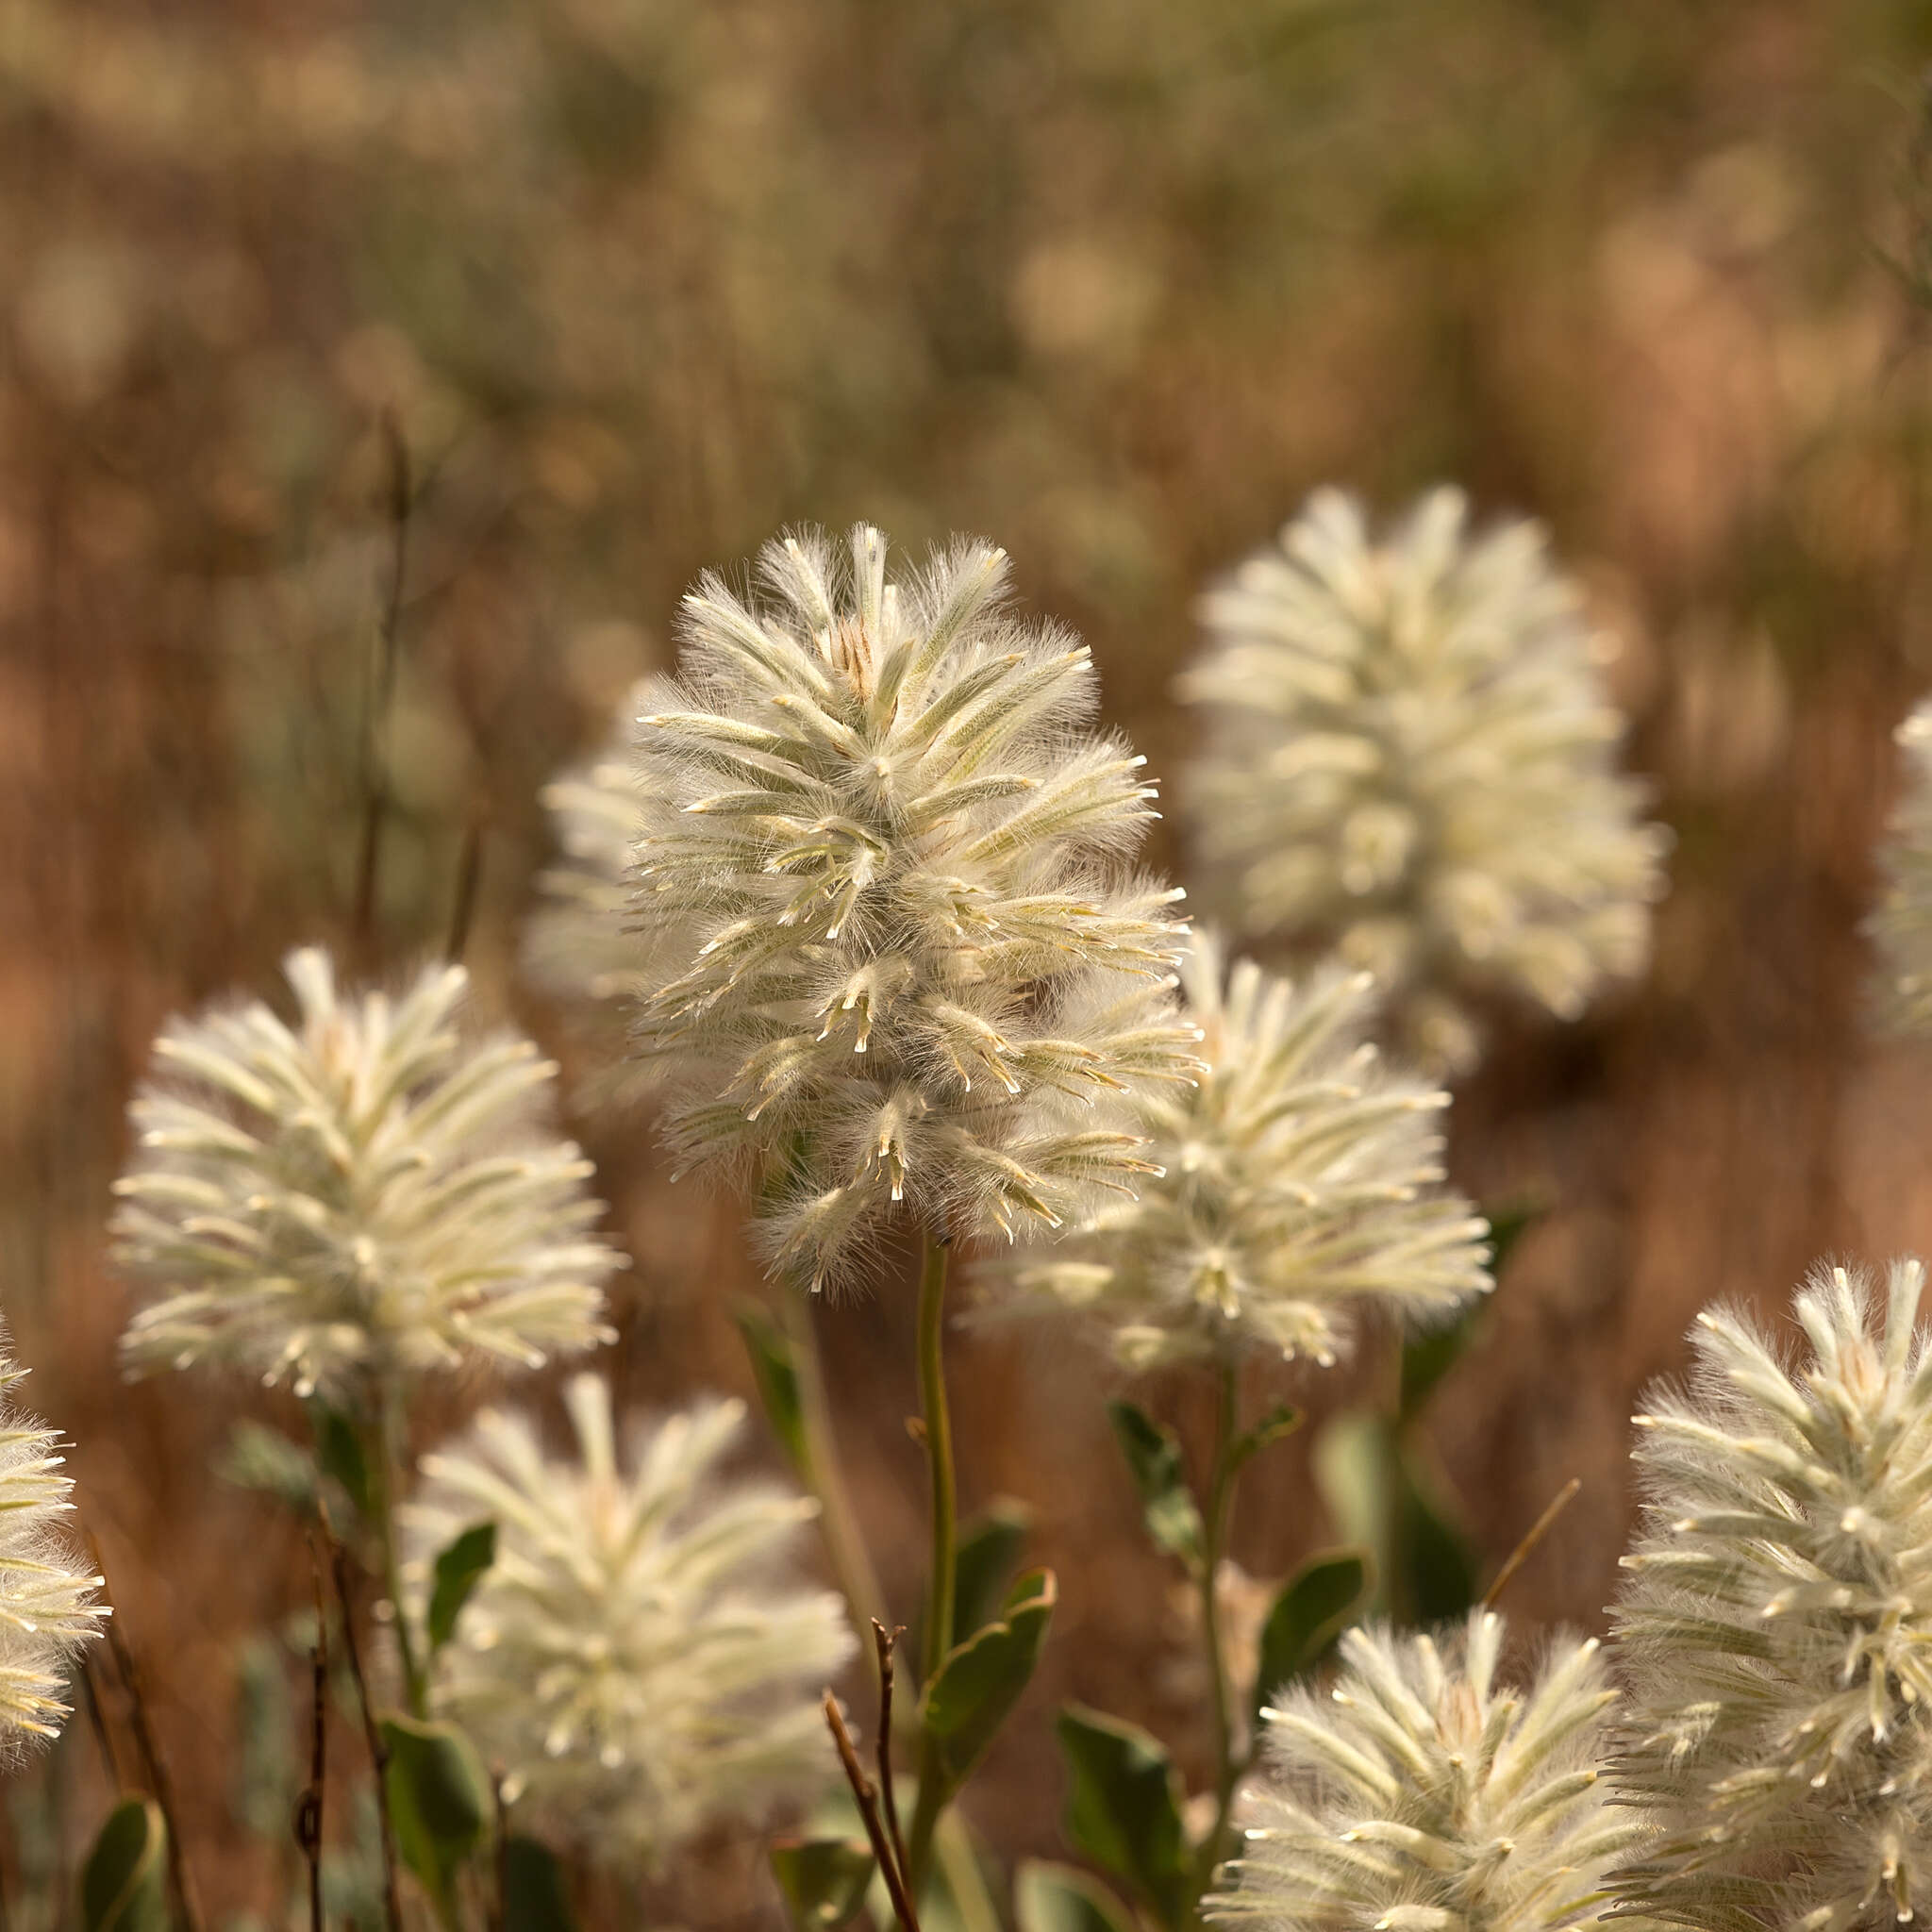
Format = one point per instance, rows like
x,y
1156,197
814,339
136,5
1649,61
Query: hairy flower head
x,y
1901,929
1410,760
361,1195
1776,1628
1299,1180
905,964
1422,1796
641,1657
47,1602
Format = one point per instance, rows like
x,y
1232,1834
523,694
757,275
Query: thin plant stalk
x,y
940,1582
385,1484
1221,1486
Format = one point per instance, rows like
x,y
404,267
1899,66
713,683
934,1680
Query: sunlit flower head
x,y
363,1196
1901,929
1410,760
643,1658
48,1610
906,965
1300,1181
1776,1628
1422,1794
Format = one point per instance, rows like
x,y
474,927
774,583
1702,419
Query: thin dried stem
x,y
883,1642
1538,1530
186,1906
867,1798
310,1808
372,1731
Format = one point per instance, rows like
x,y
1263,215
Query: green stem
x,y
1220,1507
946,1537
385,1483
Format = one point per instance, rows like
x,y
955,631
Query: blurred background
x,y
432,349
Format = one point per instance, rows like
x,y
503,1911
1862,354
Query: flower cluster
x,y
1299,1180
1410,761
361,1196
1422,1796
1901,929
906,967
1776,1628
47,1605
639,1657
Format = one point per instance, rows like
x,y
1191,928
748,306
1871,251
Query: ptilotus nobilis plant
x,y
1410,760
904,965
641,1658
359,1197
48,1608
1301,1179
1901,926
1776,1632
1425,1791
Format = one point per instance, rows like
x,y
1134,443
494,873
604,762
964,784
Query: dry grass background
x,y
1113,281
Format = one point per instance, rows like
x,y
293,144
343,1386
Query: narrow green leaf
x,y
535,1898
1426,1358
1123,1809
458,1570
989,1547
1314,1607
1154,1456
266,1462
977,1687
1281,1421
338,1450
824,1879
1508,1223
776,1376
124,1885
1063,1898
1435,1564
439,1800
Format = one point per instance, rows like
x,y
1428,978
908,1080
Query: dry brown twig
x,y
867,1796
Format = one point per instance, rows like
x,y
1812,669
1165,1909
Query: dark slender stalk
x,y
372,1731
385,1480
867,1800
940,1583
382,689
469,872
97,1721
310,1808
883,1642
1538,1530
1215,1521
499,1913
181,1883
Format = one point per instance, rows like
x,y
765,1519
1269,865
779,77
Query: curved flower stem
x,y
385,1484
1220,1507
946,1537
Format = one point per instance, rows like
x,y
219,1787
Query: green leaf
x,y
1063,1898
1153,1455
458,1570
265,1460
1508,1223
777,1374
1281,1421
124,1885
1123,1809
1426,1358
439,1800
535,1898
338,1450
977,1687
824,1879
1434,1565
989,1547
1310,1614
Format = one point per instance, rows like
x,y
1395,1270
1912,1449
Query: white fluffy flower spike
x,y
640,1658
903,961
1410,760
1776,1628
47,1607
1422,1796
1901,929
361,1196
1299,1181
